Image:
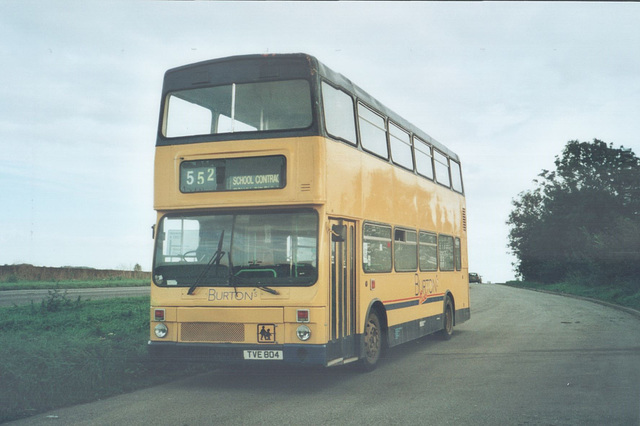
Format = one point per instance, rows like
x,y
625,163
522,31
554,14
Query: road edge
x,y
626,309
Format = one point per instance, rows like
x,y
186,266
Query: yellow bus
x,y
299,220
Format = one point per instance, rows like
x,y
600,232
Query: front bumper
x,y
234,353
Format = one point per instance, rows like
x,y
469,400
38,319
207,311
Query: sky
x,y
504,85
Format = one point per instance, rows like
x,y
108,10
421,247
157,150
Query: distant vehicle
x,y
475,278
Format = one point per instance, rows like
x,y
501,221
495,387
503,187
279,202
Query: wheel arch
x,y
378,307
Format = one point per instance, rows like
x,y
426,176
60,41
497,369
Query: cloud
x,y
503,84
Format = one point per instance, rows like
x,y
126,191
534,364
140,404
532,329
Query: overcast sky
x,y
504,85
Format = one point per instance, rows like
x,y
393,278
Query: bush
x,y
58,300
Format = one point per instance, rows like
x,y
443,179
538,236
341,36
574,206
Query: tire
x,y
447,320
373,340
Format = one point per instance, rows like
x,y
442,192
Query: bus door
x,y
343,289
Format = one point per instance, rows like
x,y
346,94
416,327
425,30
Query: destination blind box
x,y
233,174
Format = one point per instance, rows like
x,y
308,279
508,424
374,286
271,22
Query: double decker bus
x,y
298,219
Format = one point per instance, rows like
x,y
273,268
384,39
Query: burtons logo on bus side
x,y
424,288
215,295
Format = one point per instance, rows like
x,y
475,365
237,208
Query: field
x,y
34,285
67,351
28,277
64,352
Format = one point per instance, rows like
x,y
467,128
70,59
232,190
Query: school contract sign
x,y
254,182
233,174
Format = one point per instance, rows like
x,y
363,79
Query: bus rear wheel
x,y
447,320
373,343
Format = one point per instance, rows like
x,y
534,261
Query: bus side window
x,y
442,169
373,131
339,114
376,248
445,249
456,176
424,159
401,151
428,251
405,250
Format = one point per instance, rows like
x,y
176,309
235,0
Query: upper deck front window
x,y
238,107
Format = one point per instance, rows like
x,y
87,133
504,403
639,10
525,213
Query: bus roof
x,y
299,61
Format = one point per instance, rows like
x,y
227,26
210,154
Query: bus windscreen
x,y
255,249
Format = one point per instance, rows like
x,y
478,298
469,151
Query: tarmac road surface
x,y
524,358
24,297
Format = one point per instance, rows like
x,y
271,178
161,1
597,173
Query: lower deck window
x,y
445,249
428,251
458,254
376,250
405,250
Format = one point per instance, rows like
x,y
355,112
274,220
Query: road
x,y
524,358
24,297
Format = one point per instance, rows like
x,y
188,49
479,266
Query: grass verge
x,y
624,295
35,285
64,352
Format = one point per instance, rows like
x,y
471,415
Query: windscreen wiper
x,y
268,290
214,261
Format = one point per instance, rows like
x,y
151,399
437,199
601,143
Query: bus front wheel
x,y
373,342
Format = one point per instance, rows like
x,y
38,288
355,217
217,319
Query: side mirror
x,y
338,233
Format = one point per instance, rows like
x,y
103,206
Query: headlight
x,y
161,330
303,332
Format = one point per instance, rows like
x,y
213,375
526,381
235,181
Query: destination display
x,y
233,174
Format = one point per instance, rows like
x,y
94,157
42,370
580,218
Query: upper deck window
x,y
442,169
247,107
424,163
373,131
339,113
400,146
456,176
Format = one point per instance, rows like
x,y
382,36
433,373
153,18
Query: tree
x,y
582,221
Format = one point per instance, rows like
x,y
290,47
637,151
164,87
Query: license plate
x,y
263,354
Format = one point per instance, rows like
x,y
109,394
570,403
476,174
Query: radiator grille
x,y
211,332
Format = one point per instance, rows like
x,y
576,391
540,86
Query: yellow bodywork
x,y
338,181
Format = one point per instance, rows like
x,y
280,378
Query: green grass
x,y
627,295
35,285
64,352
